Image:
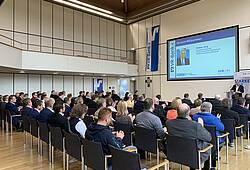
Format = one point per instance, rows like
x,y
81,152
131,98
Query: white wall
x,y
28,83
197,17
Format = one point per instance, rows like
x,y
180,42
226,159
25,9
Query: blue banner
x,y
152,48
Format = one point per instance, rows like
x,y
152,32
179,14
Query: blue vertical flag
x,y
152,47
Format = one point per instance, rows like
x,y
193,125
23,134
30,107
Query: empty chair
x,y
9,120
184,151
233,130
124,160
126,128
216,143
94,156
34,130
73,147
57,141
44,136
146,140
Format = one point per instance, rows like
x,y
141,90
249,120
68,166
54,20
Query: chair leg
x,y
52,154
38,146
67,161
227,149
158,156
218,153
41,147
241,138
31,142
25,138
11,125
236,143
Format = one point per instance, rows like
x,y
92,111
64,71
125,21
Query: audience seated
x,y
60,99
100,132
240,109
122,115
47,112
172,113
3,103
182,127
159,111
101,103
90,101
68,109
187,100
58,119
34,97
197,107
200,96
139,105
27,109
208,118
77,125
38,106
114,96
19,99
216,103
147,119
130,102
111,105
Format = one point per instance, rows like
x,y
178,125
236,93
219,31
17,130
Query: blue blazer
x,y
44,115
210,120
67,111
34,114
12,108
26,111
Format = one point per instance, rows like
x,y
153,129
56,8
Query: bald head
x,y
183,110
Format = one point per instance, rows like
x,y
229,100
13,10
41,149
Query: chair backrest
x,y
124,160
183,151
7,115
229,125
212,131
146,139
91,111
88,120
43,131
244,121
34,127
56,137
73,145
26,124
93,154
126,128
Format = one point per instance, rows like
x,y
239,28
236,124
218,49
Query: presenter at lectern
x,y
237,88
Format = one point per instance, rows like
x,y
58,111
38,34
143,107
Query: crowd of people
x,y
181,117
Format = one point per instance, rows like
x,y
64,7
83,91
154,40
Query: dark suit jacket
x,y
90,103
12,108
241,89
182,127
188,102
57,120
34,114
179,62
241,110
45,115
216,105
115,97
138,107
229,114
67,110
26,111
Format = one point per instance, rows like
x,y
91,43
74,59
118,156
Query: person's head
x,y
27,102
200,95
59,108
122,108
52,92
158,96
206,107
217,97
17,94
175,103
197,102
148,104
156,101
79,110
67,100
186,95
130,96
136,92
183,110
113,91
21,95
183,53
237,82
34,94
50,102
94,97
69,95
79,100
60,94
5,98
109,101
12,98
26,96
225,103
38,104
247,97
101,102
104,116
241,101
141,98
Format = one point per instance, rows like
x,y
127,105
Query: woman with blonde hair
x,y
77,125
172,113
122,115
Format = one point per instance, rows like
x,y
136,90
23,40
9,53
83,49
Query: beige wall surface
x,y
195,18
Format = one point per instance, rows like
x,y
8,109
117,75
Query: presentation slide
x,y
210,55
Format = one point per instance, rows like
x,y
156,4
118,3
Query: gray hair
x,y
183,110
206,107
50,102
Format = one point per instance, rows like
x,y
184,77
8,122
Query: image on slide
x,y
183,57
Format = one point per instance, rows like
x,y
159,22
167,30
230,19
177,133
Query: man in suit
x,y
27,109
238,88
239,107
182,127
58,119
47,112
67,106
38,106
182,59
187,100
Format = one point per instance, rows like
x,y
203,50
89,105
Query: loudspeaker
x,y
1,1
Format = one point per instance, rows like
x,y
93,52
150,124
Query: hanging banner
x,y
244,78
152,47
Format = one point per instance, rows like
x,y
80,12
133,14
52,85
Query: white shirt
x,y
50,109
81,127
61,113
112,109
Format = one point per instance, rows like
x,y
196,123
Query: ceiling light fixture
x,y
90,6
89,10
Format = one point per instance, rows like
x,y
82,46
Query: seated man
x,y
47,112
159,111
187,100
68,109
100,132
38,106
147,119
240,109
58,119
182,127
27,109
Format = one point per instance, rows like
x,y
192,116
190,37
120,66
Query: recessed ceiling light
x,y
89,10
